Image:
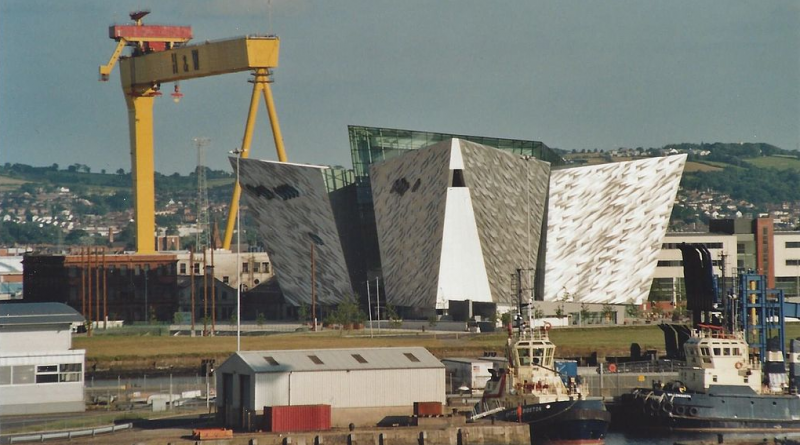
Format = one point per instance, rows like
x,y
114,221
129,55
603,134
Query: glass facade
x,y
370,145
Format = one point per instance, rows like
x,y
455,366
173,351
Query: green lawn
x,y
776,162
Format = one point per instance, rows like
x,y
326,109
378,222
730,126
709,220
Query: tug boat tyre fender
x,y
692,411
666,406
680,410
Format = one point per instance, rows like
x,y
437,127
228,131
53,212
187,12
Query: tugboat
x,y
735,377
720,390
530,390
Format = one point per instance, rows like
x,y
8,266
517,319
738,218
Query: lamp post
x,y
238,153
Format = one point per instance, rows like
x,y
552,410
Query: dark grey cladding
x,y
292,210
409,197
508,196
410,193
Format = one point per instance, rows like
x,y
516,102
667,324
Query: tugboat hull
x,y
709,413
565,422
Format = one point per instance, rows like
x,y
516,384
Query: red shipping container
x,y
290,419
427,408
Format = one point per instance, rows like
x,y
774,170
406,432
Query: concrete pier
x,y
480,433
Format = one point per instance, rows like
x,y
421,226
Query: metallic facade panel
x,y
360,389
507,221
508,196
409,195
606,224
291,207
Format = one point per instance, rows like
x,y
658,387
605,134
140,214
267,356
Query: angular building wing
x,y
453,224
292,209
605,227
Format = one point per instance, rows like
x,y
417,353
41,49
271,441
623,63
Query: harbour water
x,y
619,438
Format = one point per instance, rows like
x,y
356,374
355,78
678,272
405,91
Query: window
x,y
740,248
70,372
793,244
271,361
5,375
265,267
411,357
245,267
225,279
183,268
255,267
316,360
359,358
717,352
47,374
726,351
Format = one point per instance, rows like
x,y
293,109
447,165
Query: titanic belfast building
x,y
436,220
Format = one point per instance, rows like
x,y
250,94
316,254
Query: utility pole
x,y
191,280
313,290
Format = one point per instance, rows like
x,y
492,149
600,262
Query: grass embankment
x,y
119,353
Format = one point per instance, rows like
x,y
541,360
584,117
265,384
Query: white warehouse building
x,y
39,371
366,384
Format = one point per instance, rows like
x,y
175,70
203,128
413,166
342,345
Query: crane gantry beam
x,y
157,60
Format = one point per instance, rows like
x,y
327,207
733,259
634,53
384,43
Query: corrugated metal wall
x,y
271,389
343,389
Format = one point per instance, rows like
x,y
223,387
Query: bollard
x,y
253,442
720,438
287,441
318,440
351,438
422,436
381,439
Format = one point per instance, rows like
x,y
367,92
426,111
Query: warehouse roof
x,y
37,313
336,359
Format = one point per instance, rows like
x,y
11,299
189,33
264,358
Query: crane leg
x,y
273,121
246,141
140,120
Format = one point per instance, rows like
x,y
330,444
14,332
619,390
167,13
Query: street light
x,y
238,152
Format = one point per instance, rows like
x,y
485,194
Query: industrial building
x,y
40,373
139,288
363,383
734,245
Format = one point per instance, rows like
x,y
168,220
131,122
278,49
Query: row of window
x,y
29,374
257,268
717,352
679,263
674,246
123,269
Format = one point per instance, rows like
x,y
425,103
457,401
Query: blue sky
x,y
573,74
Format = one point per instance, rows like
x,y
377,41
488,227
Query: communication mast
x,y
203,226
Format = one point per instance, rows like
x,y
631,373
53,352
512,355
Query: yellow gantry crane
x,y
160,55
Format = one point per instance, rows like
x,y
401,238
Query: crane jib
x,y
195,61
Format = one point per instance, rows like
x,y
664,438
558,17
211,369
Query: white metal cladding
x,y
369,388
26,339
606,224
271,389
462,272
